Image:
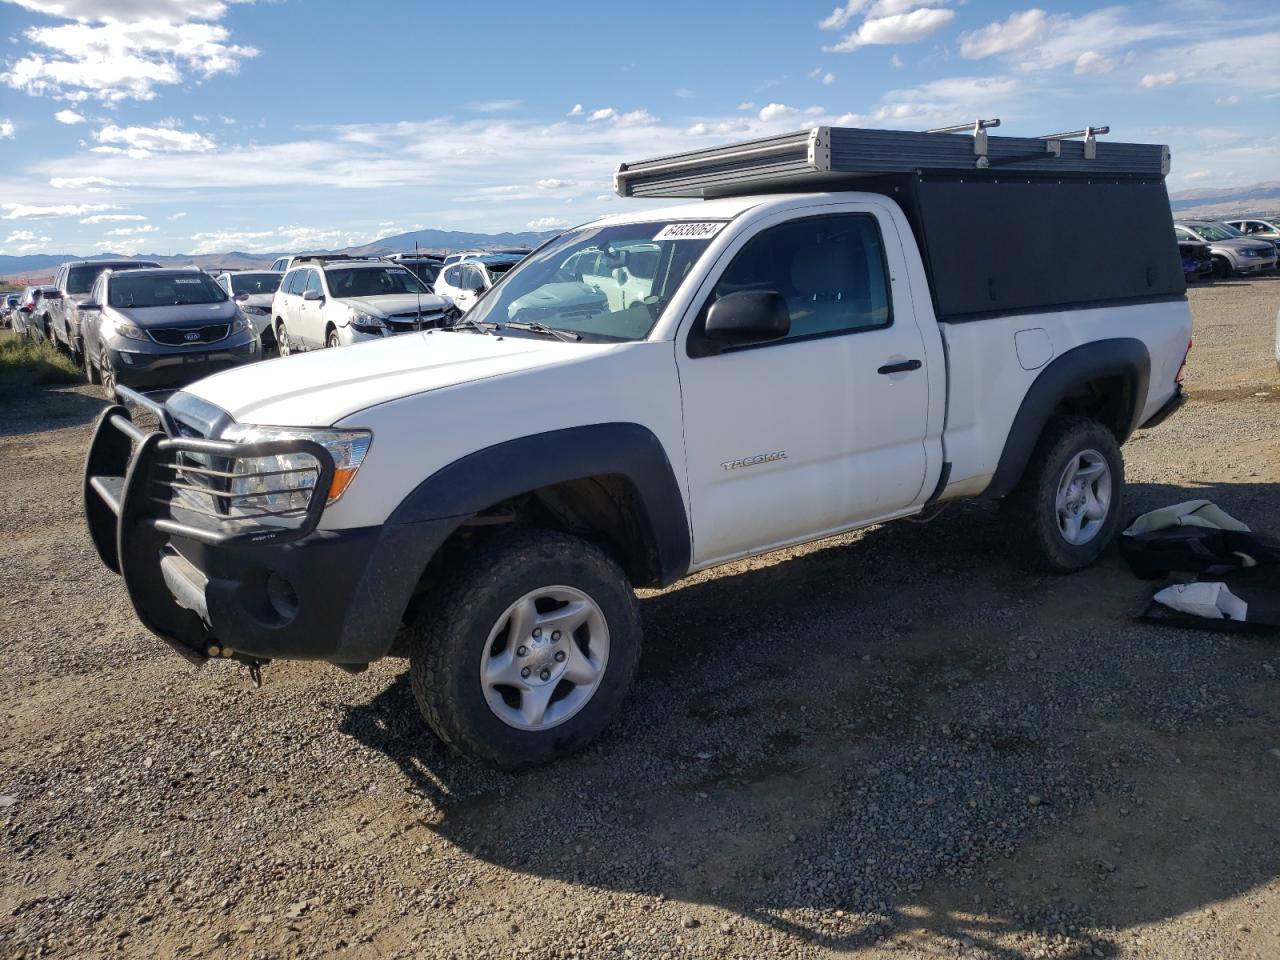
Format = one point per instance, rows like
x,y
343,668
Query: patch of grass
x,y
32,363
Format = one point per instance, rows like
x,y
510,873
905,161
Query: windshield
x,y
1216,231
80,279
255,282
424,270
607,283
162,290
372,281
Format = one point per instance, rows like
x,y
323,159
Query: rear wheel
x,y
1064,512
527,651
282,339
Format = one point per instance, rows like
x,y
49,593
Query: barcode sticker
x,y
689,231
185,280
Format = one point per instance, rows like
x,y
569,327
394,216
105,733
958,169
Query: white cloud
x,y
719,128
898,28
577,110
494,106
90,184
828,79
177,216
6,129
552,183
746,105
685,94
1093,62
886,8
1227,101
114,218
777,111
122,50
547,223
20,236
605,113
142,142
1151,81
895,61
28,242
1017,33
636,118
68,117
841,17
30,211
133,231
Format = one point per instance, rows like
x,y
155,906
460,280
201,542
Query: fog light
x,y
126,358
282,597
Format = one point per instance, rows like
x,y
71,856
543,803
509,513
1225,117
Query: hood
x,y
1240,244
390,304
178,315
320,388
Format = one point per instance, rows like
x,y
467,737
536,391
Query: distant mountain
x,y
1221,202
40,266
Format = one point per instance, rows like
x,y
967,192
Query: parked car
x,y
459,255
334,302
254,290
1258,229
491,493
282,264
465,282
60,316
1232,252
162,327
26,316
8,307
1197,259
423,266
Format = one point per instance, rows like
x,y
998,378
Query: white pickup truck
x,y
817,349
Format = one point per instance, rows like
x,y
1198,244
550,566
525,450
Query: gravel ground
x,y
893,743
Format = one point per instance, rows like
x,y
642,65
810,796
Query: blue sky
x,y
208,125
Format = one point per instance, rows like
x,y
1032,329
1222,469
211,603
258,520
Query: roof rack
x,y
819,157
329,257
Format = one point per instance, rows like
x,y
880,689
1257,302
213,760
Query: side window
x,y
830,270
294,281
313,282
452,276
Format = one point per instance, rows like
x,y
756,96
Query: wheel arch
x,y
610,479
1106,380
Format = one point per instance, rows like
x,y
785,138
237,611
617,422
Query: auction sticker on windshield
x,y
689,231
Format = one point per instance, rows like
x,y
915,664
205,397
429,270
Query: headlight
x,y
240,324
364,322
269,481
129,330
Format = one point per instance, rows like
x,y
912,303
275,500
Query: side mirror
x,y
746,317
312,295
88,306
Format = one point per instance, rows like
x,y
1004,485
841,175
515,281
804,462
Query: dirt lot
x,y
894,743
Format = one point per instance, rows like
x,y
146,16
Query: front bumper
x,y
214,586
1246,267
155,366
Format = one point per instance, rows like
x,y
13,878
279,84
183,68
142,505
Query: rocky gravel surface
x,y
890,744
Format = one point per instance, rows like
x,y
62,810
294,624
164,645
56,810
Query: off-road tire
x,y
1030,512
449,635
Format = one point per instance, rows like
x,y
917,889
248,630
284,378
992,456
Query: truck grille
x,y
190,336
404,322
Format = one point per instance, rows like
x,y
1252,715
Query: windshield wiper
x,y
534,326
465,321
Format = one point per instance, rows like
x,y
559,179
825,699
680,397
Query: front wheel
x,y
332,340
107,377
1221,268
1064,512
526,653
282,340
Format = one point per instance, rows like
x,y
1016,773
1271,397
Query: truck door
x,y
821,430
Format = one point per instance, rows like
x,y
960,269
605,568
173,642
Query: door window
x,y
293,282
830,270
453,277
313,282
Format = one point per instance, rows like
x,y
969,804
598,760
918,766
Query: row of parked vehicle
x,y
136,323
1226,248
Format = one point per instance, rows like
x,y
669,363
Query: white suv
x,y
464,283
334,303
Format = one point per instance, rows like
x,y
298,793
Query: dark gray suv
x,y
60,319
163,327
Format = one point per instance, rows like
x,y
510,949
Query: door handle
x,y
902,367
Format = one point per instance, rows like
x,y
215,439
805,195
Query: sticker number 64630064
x,y
689,231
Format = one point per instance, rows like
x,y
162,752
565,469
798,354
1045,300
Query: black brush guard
x,y
142,489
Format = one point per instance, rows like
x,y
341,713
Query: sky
x,y
194,126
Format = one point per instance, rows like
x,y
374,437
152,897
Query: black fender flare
x,y
629,450
1118,357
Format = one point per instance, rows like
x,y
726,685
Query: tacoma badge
x,y
753,461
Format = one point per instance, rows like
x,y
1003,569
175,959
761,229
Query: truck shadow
x,y
26,410
901,733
